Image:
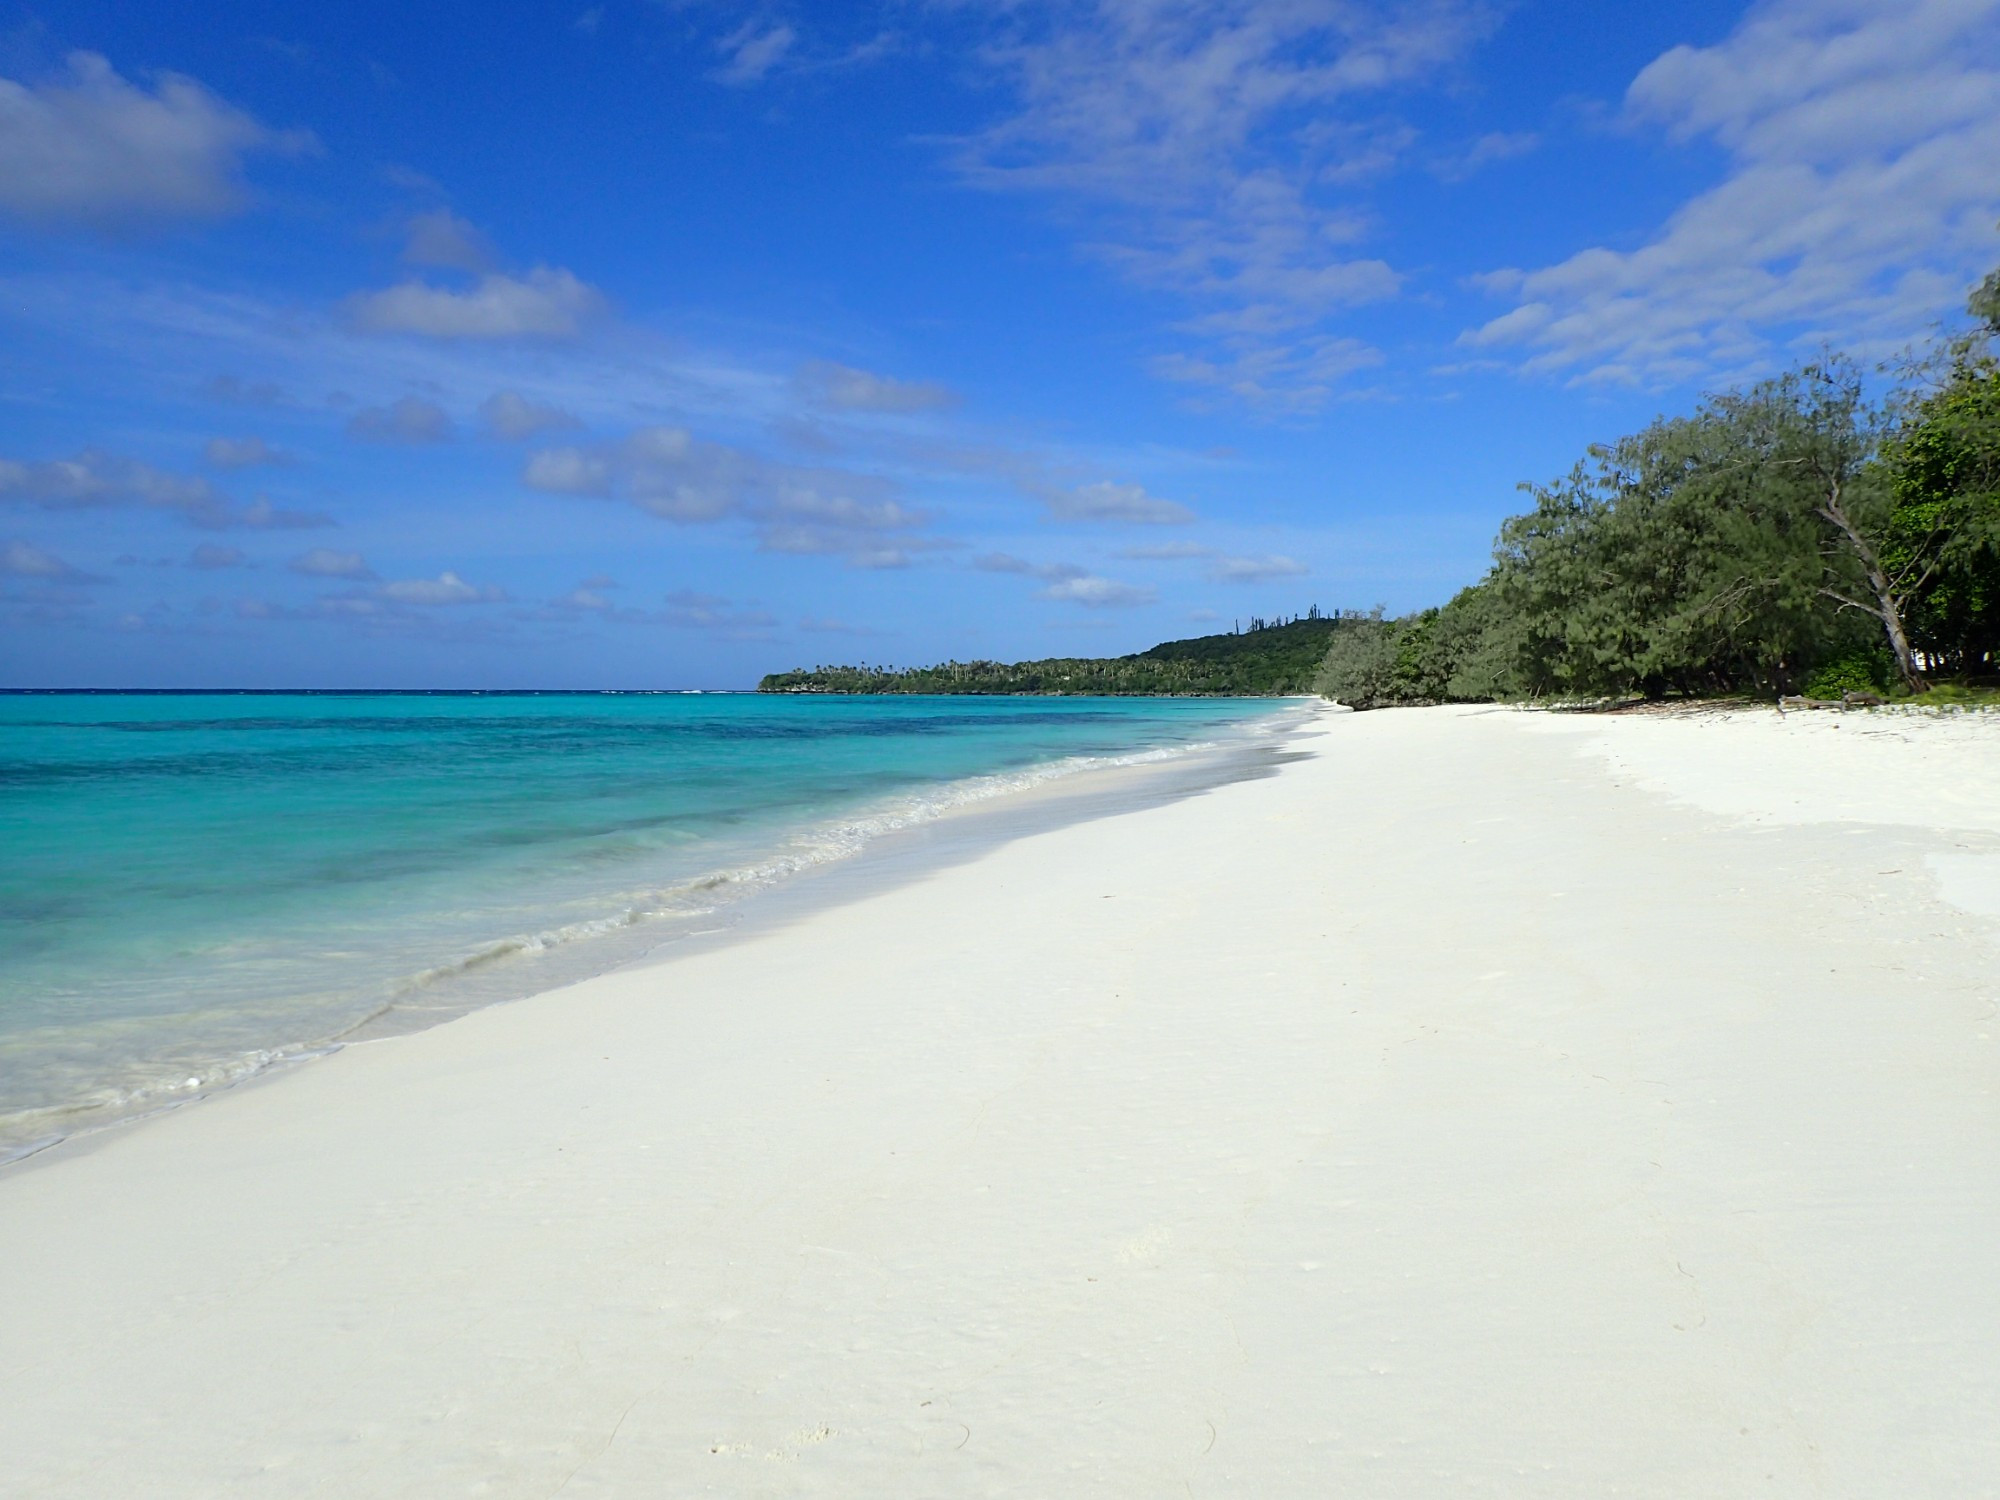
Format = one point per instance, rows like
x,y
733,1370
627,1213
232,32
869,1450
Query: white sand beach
x,y
1487,1104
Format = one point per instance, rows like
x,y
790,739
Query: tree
x,y
1666,562
1984,303
1820,439
1944,527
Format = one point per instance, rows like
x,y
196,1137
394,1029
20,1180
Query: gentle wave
x,y
819,846
453,986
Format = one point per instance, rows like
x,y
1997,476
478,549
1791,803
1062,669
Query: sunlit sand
x,y
1488,1103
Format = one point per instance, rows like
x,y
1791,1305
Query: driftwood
x,y
1844,702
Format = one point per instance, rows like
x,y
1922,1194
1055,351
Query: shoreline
x,y
898,837
1485,1101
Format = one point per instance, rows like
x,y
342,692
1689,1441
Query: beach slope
x,y
1486,1104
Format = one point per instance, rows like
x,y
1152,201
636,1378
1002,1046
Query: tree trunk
x,y
1887,608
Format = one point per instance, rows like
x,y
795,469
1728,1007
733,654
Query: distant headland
x,y
1269,659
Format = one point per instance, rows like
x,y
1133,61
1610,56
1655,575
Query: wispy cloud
x,y
689,609
512,417
325,562
439,237
19,559
1165,552
1863,179
1222,567
1299,375
1495,146
681,609
242,453
209,557
1107,501
670,473
407,419
816,626
1068,583
95,479
845,388
1256,569
1216,146
753,50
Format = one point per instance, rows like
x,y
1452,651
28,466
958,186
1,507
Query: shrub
x,y
1865,670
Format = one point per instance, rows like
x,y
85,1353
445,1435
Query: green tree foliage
x,y
1270,659
1791,534
1797,533
1944,527
1984,303
1685,558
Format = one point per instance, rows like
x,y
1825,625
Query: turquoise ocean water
x,y
195,886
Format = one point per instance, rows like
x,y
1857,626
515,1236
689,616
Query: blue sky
x,y
665,344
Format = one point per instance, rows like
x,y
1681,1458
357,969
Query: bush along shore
x,y
1813,535
1826,534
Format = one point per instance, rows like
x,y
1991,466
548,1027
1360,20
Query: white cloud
x,y
407,419
545,304
20,559
1006,562
1863,179
1256,569
512,416
432,607
325,562
95,479
242,453
447,588
849,389
753,50
1100,593
90,148
568,471
441,238
1106,501
856,550
1067,582
1220,141
670,473
798,498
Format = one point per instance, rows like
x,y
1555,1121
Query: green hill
x,y
1268,660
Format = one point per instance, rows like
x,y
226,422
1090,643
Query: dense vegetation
x,y
1812,533
1270,659
1803,534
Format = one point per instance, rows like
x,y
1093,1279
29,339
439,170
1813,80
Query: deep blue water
x,y
193,885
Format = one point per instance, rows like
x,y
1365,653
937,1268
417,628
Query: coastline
x,y
1464,1105
899,836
